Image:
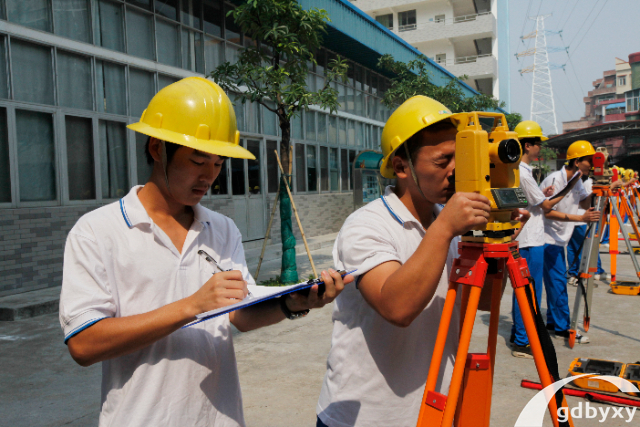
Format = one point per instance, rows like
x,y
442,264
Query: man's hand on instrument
x,y
591,215
333,283
463,212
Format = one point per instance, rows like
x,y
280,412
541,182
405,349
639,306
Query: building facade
x,y
614,98
74,73
467,37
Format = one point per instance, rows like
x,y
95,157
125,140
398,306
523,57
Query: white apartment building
x,y
467,37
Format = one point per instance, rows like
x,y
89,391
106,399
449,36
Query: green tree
x,y
413,78
272,71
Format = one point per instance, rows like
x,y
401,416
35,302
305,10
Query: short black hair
x,y
573,162
529,140
414,143
170,147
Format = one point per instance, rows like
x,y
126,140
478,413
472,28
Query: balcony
x,y
473,66
369,5
460,26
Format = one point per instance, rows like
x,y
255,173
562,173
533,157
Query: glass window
x,y
334,172
310,122
253,172
220,185
146,4
386,20
144,168
344,162
213,17
296,126
352,158
192,51
2,15
72,19
321,61
164,81
300,169
232,53
114,163
191,13
407,20
333,129
269,120
238,107
5,172
342,131
322,127
142,89
36,156
167,8
312,175
4,84
253,117
272,166
213,53
110,88
140,34
108,25
32,72
168,43
80,161
342,97
74,81
359,107
351,100
231,29
359,134
30,13
237,177
351,132
324,169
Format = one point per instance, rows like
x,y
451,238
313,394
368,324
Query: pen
x,y
213,262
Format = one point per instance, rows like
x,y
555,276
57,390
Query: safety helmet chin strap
x,y
413,172
163,156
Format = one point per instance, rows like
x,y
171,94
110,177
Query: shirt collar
x,y
134,213
526,166
399,211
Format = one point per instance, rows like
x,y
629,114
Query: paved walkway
x,y
281,367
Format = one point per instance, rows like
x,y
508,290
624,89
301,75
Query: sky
x,y
596,32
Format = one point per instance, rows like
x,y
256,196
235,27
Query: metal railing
x,y
462,59
447,21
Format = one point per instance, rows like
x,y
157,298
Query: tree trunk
x,y
289,272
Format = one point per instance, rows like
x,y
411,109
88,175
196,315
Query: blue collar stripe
x,y
391,211
124,214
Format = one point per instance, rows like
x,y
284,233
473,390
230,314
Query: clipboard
x,y
260,294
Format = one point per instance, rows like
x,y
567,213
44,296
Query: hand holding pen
x,y
213,262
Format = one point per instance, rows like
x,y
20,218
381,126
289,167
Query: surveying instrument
x,y
486,163
602,177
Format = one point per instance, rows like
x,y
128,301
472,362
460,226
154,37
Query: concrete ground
x,y
282,367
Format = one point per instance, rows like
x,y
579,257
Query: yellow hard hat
x,y
412,116
529,129
580,149
194,112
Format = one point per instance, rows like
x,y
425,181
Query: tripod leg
x,y
613,237
516,272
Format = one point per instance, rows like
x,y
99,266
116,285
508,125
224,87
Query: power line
x,y
584,22
566,3
570,13
594,20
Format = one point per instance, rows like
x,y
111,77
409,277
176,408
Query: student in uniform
x,y
558,227
403,245
531,238
138,270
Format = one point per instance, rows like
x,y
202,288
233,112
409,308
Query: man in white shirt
x,y
531,238
403,245
140,269
558,227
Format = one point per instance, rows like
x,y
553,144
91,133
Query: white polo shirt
x,y
376,372
118,263
532,233
559,232
588,187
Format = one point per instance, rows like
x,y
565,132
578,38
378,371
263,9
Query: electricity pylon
x,y
543,108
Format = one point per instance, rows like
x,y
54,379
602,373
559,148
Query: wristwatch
x,y
291,315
